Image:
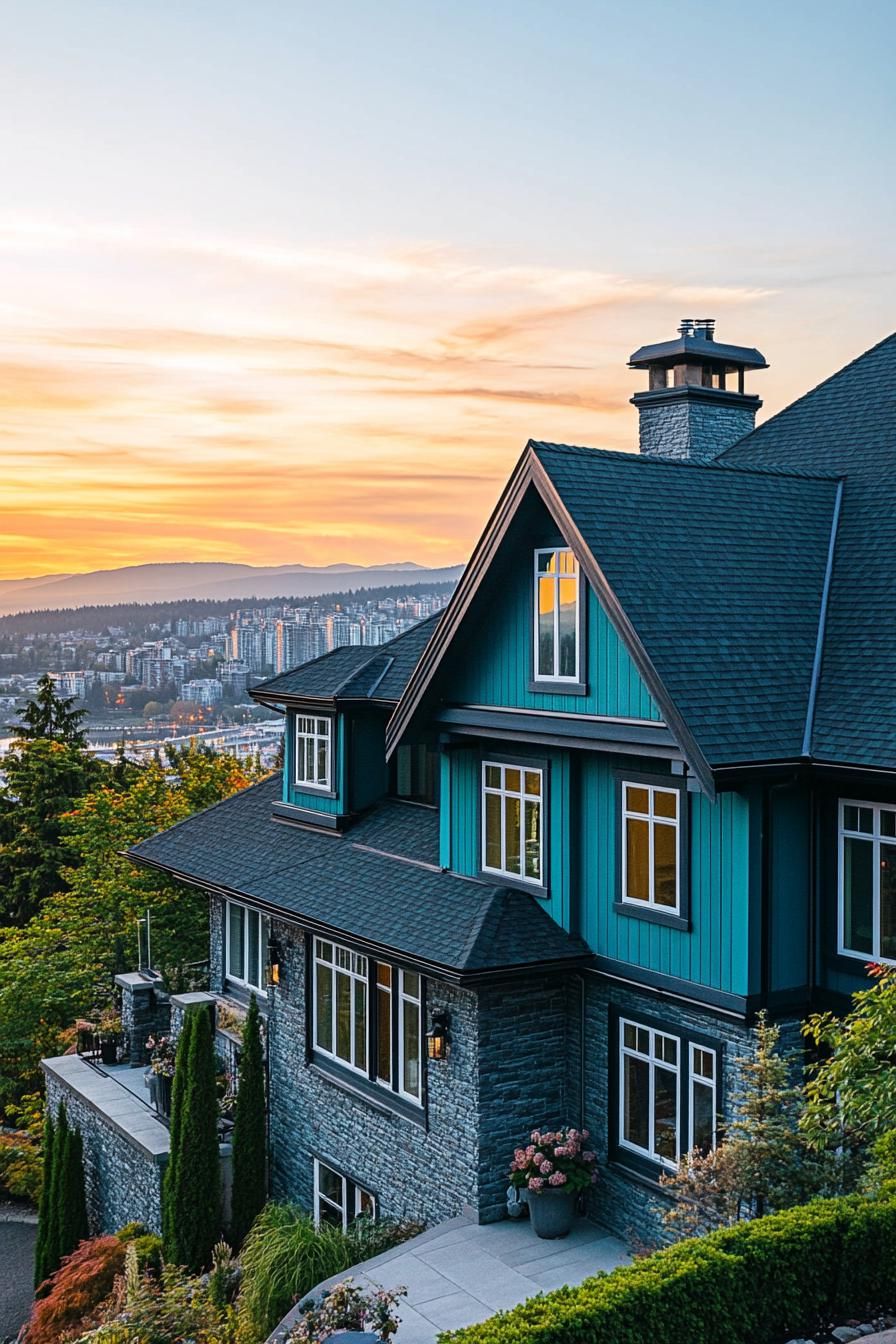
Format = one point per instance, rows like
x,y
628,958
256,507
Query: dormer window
x,y
314,750
556,616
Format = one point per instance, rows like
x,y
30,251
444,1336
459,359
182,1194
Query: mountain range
x,y
198,579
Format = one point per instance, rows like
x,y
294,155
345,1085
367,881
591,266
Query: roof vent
x,y
705,327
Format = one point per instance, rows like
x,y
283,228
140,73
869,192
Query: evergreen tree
x,y
53,1241
191,1193
249,1132
72,1213
43,1214
51,716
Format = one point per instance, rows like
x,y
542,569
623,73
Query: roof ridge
x,y
838,373
714,464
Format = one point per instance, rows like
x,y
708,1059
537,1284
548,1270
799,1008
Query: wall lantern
x,y
273,962
437,1039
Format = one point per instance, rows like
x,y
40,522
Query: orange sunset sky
x,y
283,286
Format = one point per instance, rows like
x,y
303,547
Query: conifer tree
x,y
53,1242
249,1132
50,715
43,1215
191,1218
72,1214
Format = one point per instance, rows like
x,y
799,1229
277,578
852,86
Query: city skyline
x,y
268,299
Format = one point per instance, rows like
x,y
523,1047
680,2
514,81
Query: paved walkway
x,y
461,1272
18,1232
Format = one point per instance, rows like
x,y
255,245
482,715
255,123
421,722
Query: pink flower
x,y
561,1150
589,1157
558,1178
535,1183
546,1167
530,1151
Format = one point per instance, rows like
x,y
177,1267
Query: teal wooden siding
x,y
310,798
495,664
461,817
714,952
791,909
367,772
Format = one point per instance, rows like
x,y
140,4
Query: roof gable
x,y
712,576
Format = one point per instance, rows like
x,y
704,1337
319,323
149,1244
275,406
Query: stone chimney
x,y
695,405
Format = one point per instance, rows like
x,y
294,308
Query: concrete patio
x,y
462,1272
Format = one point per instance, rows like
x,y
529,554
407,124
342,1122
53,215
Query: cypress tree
x,y
43,1213
53,1243
249,1132
72,1214
192,1185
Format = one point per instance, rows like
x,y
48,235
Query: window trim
x,y
264,930
352,1192
325,790
699,1079
366,1081
556,684
354,977
680,916
874,839
539,885
623,1052
398,1061
626,1154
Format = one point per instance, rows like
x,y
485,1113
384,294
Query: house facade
x,y
541,860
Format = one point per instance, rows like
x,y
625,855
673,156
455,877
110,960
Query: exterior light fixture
x,y
273,962
437,1039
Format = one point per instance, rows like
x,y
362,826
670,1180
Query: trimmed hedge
x,y
752,1284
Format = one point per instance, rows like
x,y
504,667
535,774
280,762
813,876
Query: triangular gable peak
x,y
529,495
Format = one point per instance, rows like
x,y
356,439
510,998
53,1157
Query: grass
x,y
285,1256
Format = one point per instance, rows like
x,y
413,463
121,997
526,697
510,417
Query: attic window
x,y
314,736
556,616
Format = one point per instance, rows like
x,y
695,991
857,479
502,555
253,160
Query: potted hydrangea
x,y
350,1311
553,1169
163,1053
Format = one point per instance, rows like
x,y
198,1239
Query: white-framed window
x,y
557,653
246,939
410,1034
512,797
867,880
703,1099
368,1016
649,1092
651,846
337,1199
313,751
340,1004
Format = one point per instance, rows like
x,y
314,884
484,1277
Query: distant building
x,y
234,677
202,691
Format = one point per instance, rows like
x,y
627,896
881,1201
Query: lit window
x,y
556,616
511,822
313,751
368,1016
246,945
867,882
337,1199
650,846
649,1092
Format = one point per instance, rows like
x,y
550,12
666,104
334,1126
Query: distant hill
x,y
199,579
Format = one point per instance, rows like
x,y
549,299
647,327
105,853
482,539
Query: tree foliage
x,y
249,1132
60,966
851,1091
761,1162
191,1207
41,1260
51,717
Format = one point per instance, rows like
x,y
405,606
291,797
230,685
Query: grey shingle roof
x,y
847,425
721,572
354,671
361,886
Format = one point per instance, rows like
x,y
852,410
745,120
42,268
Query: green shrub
x,y
191,1198
249,1189
285,1256
755,1283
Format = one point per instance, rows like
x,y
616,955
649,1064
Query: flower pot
x,y
552,1212
109,1050
160,1092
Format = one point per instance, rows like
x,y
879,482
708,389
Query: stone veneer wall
x,y
692,429
123,1172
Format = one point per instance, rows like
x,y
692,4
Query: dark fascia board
x,y
319,703
696,392
747,356
433,969
670,987
591,735
529,471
